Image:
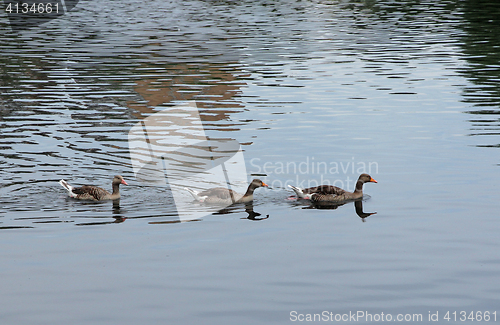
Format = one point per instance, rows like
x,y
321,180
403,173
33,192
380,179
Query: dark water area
x,y
315,92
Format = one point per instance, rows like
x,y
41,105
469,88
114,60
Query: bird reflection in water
x,y
252,215
117,216
236,208
117,212
358,207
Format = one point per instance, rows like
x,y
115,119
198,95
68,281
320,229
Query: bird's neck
x,y
116,188
250,190
359,187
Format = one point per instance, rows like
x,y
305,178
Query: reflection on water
x,y
68,116
481,24
97,223
252,215
358,206
249,209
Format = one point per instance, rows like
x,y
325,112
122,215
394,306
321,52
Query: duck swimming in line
x,y
220,195
88,192
329,193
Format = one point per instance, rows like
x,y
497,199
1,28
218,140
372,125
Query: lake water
x,y
315,92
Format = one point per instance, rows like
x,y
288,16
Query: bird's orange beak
x,y
372,180
264,184
123,182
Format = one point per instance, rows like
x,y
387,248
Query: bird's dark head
x,y
258,183
365,178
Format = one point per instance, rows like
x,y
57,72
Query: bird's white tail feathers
x,y
68,187
298,191
194,194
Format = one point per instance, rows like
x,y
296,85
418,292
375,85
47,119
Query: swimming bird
x,y
329,193
220,195
88,192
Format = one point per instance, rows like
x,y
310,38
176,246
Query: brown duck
x,y
220,195
329,193
88,192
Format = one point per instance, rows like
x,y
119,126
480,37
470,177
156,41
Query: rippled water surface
x,y
315,92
